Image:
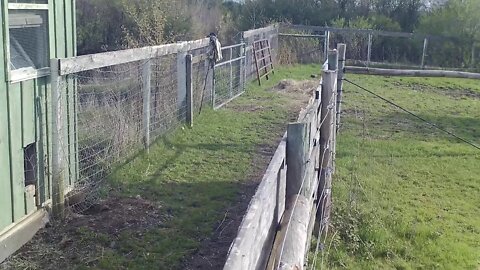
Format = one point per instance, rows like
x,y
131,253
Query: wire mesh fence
x,y
108,114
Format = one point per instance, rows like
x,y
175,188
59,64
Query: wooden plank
x,y
15,238
5,182
60,27
69,40
251,248
28,112
41,140
259,31
302,36
99,60
16,150
289,249
413,73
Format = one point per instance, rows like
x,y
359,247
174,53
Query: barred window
x,y
28,37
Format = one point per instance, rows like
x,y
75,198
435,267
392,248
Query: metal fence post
x,y
189,88
58,162
147,78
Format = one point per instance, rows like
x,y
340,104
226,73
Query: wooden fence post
x,y
297,158
341,48
147,93
473,56
326,45
58,162
181,80
424,53
333,66
189,88
231,74
326,137
369,53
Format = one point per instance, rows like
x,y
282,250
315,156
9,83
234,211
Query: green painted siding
x,y
25,117
14,100
5,185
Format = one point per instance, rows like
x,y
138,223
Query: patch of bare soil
x,y
82,239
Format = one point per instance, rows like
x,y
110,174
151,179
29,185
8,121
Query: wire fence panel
x,y
108,123
114,112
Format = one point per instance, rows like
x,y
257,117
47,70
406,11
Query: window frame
x,y
24,74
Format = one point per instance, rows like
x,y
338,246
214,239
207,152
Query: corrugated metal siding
x,y
25,118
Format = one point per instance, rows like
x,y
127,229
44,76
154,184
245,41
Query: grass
x,y
196,174
407,196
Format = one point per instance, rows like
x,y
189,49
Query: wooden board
x,y
412,73
16,150
5,184
252,246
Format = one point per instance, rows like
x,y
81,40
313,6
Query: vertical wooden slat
x,y
16,150
28,112
5,182
41,138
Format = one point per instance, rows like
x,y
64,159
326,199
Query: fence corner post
x,y
147,78
58,162
189,87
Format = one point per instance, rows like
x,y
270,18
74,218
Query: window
x,y
28,39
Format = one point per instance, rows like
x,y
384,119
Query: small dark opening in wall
x,y
30,164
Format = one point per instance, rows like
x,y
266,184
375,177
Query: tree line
x,y
105,25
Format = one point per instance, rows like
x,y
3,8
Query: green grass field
x,y
407,196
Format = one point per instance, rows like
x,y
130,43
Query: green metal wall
x,y
25,117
